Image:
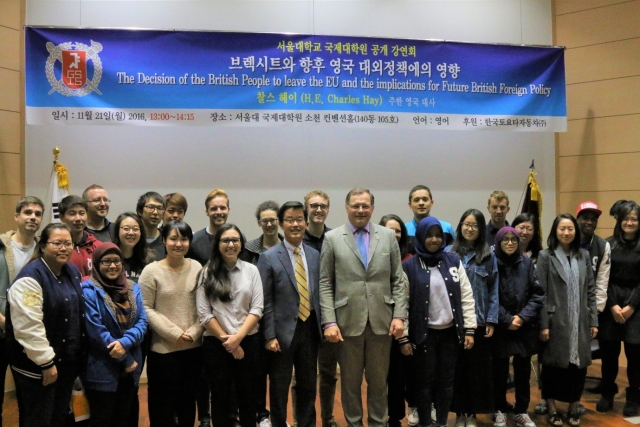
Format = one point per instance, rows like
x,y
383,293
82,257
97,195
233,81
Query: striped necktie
x,y
304,309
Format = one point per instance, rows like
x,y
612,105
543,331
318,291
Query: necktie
x,y
362,247
303,289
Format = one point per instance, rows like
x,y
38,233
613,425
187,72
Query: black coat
x,y
520,294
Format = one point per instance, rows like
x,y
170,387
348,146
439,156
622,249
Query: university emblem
x,y
74,79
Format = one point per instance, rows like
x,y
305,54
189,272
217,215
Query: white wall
x,y
256,164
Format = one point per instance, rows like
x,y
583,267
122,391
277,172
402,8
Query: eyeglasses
x,y
508,240
527,229
128,229
98,201
470,226
58,245
320,206
292,221
359,207
267,221
152,208
229,240
108,262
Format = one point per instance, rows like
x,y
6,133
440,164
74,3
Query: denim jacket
x,y
485,286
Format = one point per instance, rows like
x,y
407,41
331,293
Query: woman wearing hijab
x,y
116,324
568,319
516,335
441,317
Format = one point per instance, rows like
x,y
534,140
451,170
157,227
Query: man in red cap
x,y
587,215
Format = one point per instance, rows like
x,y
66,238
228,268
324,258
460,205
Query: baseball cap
x,y
588,206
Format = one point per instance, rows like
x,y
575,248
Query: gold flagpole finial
x,y
56,153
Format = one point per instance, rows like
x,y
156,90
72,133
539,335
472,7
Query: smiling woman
x,y
174,362
45,330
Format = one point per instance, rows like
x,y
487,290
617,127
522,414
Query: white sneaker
x,y
523,420
461,421
412,416
471,422
433,413
500,420
265,422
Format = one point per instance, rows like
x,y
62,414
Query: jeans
x,y
521,375
112,409
434,369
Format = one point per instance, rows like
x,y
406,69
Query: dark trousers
x,y
399,385
610,352
4,363
262,411
328,370
203,397
41,406
134,412
301,355
434,369
222,370
112,409
173,381
521,375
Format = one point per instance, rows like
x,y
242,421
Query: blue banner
x,y
140,77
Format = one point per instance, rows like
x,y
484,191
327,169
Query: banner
x,y
140,77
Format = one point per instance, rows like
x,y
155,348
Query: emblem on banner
x,y
75,74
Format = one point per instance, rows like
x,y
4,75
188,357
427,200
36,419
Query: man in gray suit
x,y
291,319
362,304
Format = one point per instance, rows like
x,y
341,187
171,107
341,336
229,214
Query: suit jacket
x,y
281,298
554,314
350,295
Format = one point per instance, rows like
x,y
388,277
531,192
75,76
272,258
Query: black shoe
x,y
605,404
595,390
630,409
205,422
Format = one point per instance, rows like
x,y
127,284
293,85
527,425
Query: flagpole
x,y
526,184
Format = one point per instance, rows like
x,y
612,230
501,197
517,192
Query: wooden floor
x,y
592,418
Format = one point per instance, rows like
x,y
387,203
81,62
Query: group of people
x,y
429,315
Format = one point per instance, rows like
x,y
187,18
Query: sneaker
x,y
605,404
471,421
523,420
541,408
433,413
630,409
331,423
581,409
499,419
264,422
461,421
412,416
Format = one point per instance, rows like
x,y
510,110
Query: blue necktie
x,y
362,247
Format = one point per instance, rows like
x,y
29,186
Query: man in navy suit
x,y
291,319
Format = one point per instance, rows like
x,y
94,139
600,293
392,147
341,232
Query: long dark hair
x,y
140,257
618,235
535,245
552,240
480,245
404,236
214,277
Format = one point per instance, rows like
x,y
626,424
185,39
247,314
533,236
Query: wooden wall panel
x,y
8,202
605,172
10,173
600,25
604,98
10,51
10,16
614,60
10,132
10,88
570,6
602,135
